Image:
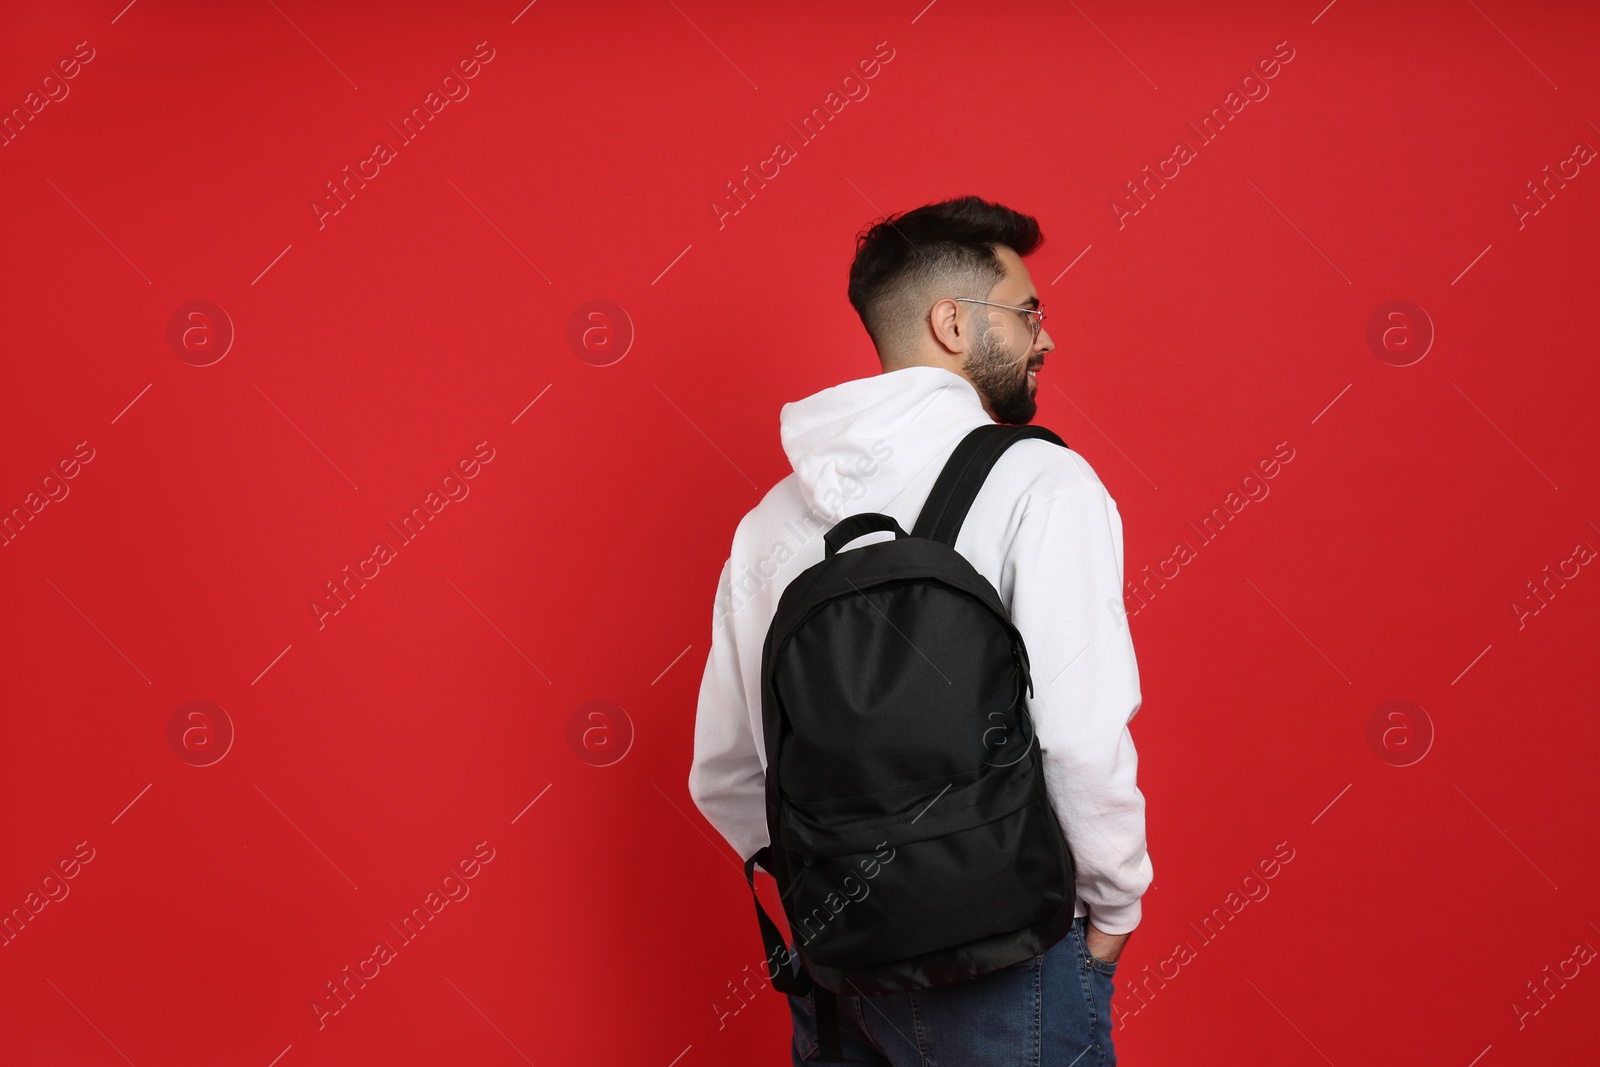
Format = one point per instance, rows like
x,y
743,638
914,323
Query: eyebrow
x,y
1032,301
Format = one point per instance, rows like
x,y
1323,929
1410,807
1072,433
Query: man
x,y
955,319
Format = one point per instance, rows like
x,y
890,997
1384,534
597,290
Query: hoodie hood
x,y
856,446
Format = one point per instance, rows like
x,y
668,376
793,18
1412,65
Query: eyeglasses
x,y
1035,316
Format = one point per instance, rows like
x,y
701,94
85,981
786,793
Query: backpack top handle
x,y
847,530
963,475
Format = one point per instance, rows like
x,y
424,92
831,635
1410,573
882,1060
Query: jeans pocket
x,y
1099,990
1103,990
1079,938
803,1014
1104,968
1108,968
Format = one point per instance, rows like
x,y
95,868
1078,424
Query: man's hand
x,y
1103,946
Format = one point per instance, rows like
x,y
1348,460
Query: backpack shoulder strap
x,y
963,475
793,978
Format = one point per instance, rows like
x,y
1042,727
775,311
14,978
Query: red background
x,y
372,754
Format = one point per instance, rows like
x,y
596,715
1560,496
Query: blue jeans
x,y
1050,1010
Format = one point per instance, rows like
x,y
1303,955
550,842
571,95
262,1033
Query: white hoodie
x,y
1045,534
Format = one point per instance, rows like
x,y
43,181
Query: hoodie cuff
x,y
1118,920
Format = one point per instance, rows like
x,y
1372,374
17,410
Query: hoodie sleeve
x,y
726,778
1067,602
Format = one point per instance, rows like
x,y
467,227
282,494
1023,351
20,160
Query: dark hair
x,y
908,258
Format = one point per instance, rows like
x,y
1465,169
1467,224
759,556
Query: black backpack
x,y
912,839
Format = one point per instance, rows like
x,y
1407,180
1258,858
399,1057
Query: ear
x,y
947,319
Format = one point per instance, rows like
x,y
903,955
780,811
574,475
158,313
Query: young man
x,y
954,315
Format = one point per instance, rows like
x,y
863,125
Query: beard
x,y
1002,380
